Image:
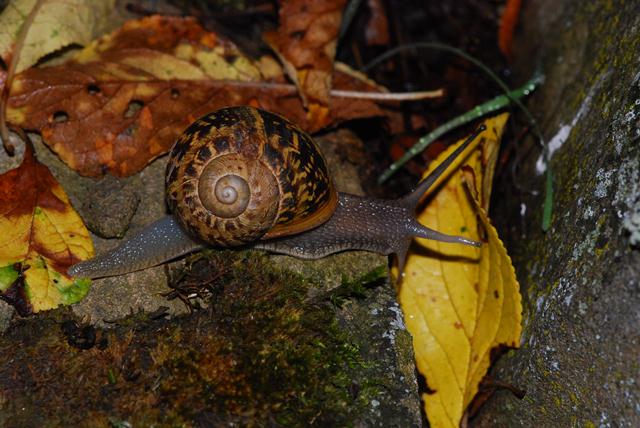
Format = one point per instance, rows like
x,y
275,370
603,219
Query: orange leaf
x,y
40,237
122,101
460,302
508,22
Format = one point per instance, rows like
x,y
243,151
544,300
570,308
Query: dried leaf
x,y
59,23
40,237
460,302
123,100
306,41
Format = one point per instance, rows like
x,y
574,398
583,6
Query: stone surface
x,y
579,361
378,322
108,205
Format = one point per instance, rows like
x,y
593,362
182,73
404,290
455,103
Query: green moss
x,y
262,353
350,289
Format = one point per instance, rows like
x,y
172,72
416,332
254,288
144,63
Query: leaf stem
x,y
388,96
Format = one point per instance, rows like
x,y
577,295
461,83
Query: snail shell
x,y
241,174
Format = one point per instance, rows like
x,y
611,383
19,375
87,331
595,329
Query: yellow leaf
x,y
40,237
59,23
460,302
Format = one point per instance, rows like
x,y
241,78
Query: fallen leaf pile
x,y
41,237
459,302
122,101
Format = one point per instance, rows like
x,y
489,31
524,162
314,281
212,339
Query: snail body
x,y
244,177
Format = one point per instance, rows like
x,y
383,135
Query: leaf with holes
x,y
59,23
40,237
460,302
123,100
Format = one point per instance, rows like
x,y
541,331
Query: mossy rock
x,y
580,279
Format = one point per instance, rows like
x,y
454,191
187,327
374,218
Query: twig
x,y
388,96
13,63
338,93
289,88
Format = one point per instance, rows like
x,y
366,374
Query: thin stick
x,y
13,64
338,93
483,109
388,96
289,88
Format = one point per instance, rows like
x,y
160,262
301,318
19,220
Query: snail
x,y
244,177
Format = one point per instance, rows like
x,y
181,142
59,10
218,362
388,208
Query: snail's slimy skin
x,y
377,225
384,226
159,242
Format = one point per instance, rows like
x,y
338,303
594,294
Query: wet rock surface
x,y
580,280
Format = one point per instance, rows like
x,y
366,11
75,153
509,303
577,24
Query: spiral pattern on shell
x,y
240,174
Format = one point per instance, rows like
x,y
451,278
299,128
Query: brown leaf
x,y
306,43
123,100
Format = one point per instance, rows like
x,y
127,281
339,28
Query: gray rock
x,y
108,205
6,313
580,281
115,297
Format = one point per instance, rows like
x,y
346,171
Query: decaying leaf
x,y
40,237
306,41
123,100
59,23
460,302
